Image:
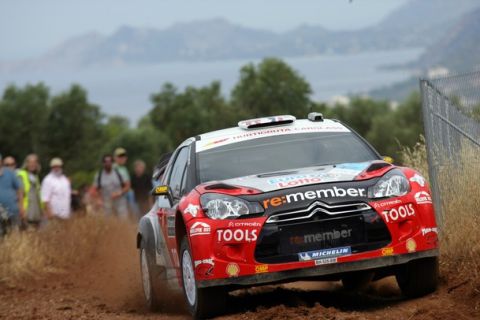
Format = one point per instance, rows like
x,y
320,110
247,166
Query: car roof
x,y
217,138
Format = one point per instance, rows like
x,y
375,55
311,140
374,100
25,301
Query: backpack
x,y
99,178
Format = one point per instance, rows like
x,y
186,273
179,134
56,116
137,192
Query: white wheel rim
x,y
145,275
188,278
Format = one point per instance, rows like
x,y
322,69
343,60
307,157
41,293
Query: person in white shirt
x,y
56,192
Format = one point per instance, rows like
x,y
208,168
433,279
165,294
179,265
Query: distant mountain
x,y
418,23
459,49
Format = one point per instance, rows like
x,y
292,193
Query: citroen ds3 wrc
x,y
279,199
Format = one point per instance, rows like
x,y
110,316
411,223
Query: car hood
x,y
299,177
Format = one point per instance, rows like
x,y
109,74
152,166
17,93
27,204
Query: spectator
x,y
10,163
111,187
56,192
11,199
142,186
31,190
120,158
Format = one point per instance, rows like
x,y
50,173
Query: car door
x,y
176,181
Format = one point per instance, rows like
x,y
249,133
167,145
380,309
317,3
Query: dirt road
x,y
108,287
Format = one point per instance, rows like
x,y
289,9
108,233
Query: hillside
x,y
458,49
418,23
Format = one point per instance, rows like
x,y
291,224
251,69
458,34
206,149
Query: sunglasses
x,y
10,164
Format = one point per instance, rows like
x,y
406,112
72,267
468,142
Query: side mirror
x,y
388,159
163,190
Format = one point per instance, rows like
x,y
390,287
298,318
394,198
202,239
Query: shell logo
x,y
232,269
387,251
411,245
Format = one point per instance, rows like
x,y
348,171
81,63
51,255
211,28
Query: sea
x,y
126,90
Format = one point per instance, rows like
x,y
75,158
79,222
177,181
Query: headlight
x,y
392,184
221,206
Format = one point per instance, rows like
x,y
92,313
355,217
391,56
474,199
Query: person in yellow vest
x,y
28,176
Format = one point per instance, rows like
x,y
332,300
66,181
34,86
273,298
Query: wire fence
x,y
451,115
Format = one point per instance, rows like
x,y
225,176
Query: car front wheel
x,y
202,302
418,277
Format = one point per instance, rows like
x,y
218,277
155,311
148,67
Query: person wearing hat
x,y
110,189
120,157
56,192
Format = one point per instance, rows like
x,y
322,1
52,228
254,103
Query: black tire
x,y
418,277
152,279
357,281
207,302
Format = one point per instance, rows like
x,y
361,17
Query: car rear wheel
x,y
202,302
151,280
418,277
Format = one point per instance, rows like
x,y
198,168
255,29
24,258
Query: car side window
x,y
178,169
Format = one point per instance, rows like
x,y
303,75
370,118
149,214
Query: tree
x,y
180,115
271,88
360,113
74,130
147,144
23,113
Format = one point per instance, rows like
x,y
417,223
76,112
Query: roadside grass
x,y
459,184
54,249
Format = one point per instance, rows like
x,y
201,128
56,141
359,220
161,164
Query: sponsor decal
x,y
299,181
429,230
237,235
400,212
244,224
325,261
204,267
418,179
411,245
261,268
321,236
388,203
356,166
253,134
232,270
423,197
214,142
192,209
313,195
314,255
431,235
199,228
387,251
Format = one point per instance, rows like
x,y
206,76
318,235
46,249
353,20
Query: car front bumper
x,y
322,270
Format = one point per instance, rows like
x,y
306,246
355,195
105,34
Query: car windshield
x,y
280,153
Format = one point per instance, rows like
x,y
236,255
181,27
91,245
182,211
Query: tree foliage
x,y
68,125
271,88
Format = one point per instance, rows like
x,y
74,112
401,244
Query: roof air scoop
x,y
315,116
266,122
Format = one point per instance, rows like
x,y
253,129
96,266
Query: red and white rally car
x,y
278,199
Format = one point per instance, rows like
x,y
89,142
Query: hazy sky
x,y
31,27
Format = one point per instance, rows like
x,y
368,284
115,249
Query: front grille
x,y
320,226
318,207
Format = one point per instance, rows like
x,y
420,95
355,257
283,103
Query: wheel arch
x,y
145,232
